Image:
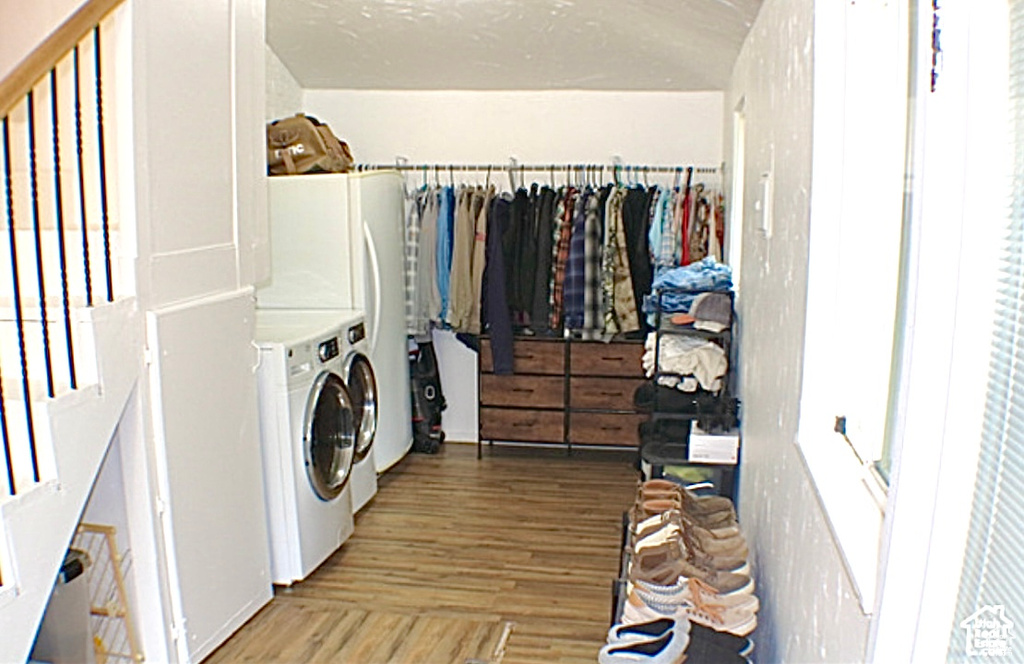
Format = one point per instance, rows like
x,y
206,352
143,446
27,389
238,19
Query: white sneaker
x,y
666,649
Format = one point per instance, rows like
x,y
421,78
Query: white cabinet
x,y
208,466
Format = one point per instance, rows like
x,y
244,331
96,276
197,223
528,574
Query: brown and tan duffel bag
x,y
303,144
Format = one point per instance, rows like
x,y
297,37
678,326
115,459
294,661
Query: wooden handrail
x,y
45,57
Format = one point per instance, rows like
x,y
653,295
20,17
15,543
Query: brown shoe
x,y
656,565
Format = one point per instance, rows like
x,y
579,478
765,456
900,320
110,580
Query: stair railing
x,y
53,179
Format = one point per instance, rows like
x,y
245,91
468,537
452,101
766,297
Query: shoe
x,y
735,562
684,590
741,645
666,649
705,644
691,501
652,503
708,652
735,546
664,564
645,631
711,540
737,621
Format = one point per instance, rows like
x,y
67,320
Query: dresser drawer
x,y
525,425
605,428
539,357
603,393
615,359
519,390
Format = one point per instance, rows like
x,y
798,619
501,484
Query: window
x,y
860,84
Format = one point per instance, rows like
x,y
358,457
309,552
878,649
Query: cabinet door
x,y
526,425
532,357
592,393
207,428
524,391
597,359
605,428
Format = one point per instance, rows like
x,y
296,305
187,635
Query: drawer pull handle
x,y
522,389
522,357
523,424
611,394
607,428
613,359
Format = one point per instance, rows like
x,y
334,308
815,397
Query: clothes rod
x,y
536,168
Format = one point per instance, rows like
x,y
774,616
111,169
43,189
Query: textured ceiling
x,y
510,44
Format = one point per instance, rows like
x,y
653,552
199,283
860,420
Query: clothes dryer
x,y
361,380
308,431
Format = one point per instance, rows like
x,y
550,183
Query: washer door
x,y
329,434
362,385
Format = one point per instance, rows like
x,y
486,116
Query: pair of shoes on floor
x,y
736,613
713,538
731,556
689,500
666,564
658,641
736,616
723,548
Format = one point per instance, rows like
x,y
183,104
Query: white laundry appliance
x,y
308,431
337,241
361,381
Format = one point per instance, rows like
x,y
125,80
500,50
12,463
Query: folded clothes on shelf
x,y
685,363
675,289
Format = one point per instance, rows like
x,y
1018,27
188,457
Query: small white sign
x,y
988,632
720,449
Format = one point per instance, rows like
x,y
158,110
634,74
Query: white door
x,y
208,456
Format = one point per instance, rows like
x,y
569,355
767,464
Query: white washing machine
x,y
308,432
361,381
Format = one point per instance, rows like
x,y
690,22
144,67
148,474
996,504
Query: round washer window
x,y
362,385
329,436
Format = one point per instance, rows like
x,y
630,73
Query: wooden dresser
x,y
562,391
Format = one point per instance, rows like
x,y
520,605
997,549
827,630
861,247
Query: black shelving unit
x,y
674,412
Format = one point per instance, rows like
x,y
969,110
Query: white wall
x,y
25,24
809,611
535,127
284,95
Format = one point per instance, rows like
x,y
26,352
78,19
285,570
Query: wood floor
x,y
452,549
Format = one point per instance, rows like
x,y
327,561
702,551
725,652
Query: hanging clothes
x,y
620,314
428,294
414,202
573,291
461,275
577,258
480,210
497,319
544,215
635,225
560,255
592,323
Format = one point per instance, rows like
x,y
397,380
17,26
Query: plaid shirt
x,y
574,271
592,323
560,255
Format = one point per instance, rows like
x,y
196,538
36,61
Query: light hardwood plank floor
x,y
525,535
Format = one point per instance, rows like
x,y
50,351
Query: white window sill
x,y
853,503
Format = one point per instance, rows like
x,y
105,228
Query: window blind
x,y
990,603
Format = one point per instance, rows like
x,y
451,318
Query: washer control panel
x,y
356,333
328,350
